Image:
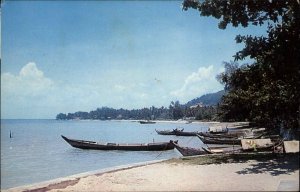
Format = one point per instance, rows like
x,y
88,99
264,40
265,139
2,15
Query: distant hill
x,y
208,99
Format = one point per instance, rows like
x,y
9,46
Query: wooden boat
x,y
231,135
147,122
177,132
188,151
186,133
223,150
82,144
165,132
247,145
207,134
209,140
224,140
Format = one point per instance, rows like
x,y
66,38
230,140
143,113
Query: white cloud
x,y
27,94
29,82
198,83
31,94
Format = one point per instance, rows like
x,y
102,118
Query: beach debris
x,y
218,129
254,144
291,146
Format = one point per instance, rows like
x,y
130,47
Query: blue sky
x,y
68,56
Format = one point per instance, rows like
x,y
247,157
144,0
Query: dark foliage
x,y
266,91
174,112
211,99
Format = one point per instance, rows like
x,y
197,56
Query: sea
x,y
33,151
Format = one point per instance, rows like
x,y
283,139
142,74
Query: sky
x,y
68,56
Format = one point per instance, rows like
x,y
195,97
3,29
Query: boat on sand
x,y
188,151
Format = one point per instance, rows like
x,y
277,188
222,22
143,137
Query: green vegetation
x,y
266,91
202,108
210,99
174,112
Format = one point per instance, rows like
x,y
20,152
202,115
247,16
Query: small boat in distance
x,y
82,144
147,122
177,132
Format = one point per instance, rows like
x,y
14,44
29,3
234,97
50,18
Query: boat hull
x,y
147,122
207,140
82,144
177,133
188,151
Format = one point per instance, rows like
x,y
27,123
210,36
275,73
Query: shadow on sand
x,y
286,164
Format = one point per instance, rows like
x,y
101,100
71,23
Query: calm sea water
x,y
38,153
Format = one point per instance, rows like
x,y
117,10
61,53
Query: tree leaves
x,y
266,91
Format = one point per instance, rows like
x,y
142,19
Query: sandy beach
x,y
189,174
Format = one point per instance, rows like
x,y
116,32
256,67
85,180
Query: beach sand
x,y
249,176
188,174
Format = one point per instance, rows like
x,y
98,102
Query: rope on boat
x,y
190,140
161,151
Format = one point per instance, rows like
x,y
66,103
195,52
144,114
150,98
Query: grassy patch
x,y
233,158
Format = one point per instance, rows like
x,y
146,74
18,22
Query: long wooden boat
x,y
188,151
177,132
230,135
223,150
247,145
82,144
165,132
186,133
147,122
207,134
209,140
224,140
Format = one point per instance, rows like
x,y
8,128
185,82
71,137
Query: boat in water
x,y
83,144
147,122
177,132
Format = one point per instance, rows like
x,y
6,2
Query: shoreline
x,y
63,182
204,173
181,121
